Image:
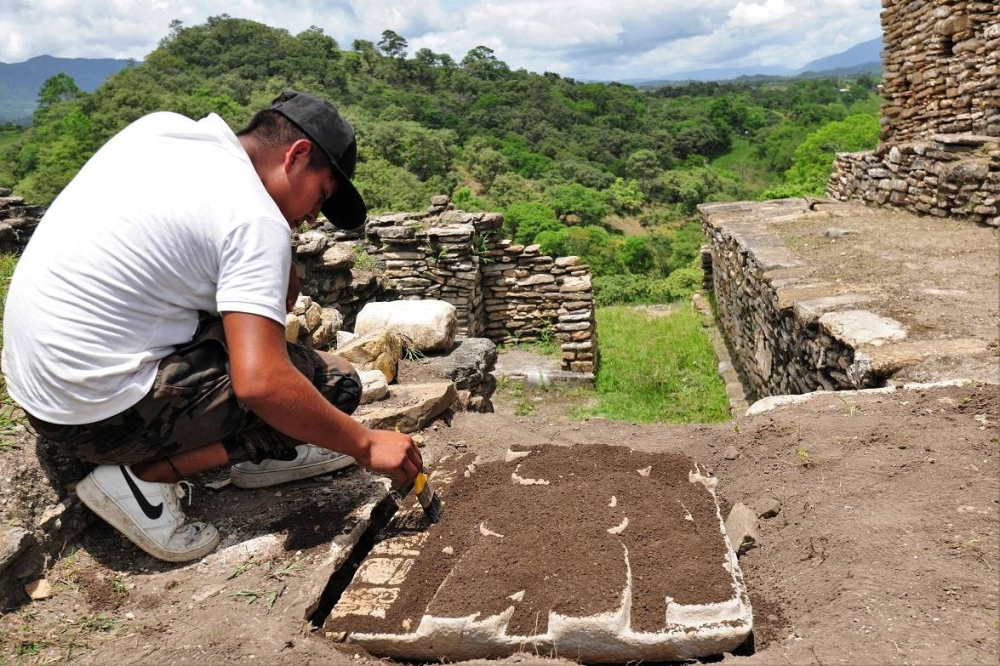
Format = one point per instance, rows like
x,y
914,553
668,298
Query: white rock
x,y
429,324
373,386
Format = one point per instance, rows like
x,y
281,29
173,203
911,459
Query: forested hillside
x,y
605,171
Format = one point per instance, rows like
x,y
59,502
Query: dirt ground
x,y
885,548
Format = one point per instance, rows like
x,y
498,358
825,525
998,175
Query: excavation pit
x,y
595,553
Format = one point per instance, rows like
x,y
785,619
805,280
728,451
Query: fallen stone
x,y
838,233
344,338
373,386
769,508
415,406
470,362
741,528
379,350
429,325
39,589
732,453
20,560
292,327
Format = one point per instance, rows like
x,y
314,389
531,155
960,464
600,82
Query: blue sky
x,y
588,39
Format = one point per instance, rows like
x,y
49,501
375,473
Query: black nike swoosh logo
x,y
152,512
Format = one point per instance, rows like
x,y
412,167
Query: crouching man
x,y
145,324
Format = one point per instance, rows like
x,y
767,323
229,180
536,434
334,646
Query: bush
x,y
524,221
638,289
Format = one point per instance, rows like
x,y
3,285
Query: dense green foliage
x,y
571,164
657,368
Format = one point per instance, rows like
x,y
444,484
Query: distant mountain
x,y
859,59
20,82
861,54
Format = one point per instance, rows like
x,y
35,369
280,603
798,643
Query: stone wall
x,y
781,346
940,69
941,119
955,175
17,222
501,291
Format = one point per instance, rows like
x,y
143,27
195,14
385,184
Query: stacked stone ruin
x,y
939,156
502,291
940,150
17,222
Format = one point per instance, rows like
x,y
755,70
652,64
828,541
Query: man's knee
x,y
341,384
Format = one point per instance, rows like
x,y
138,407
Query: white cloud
x,y
581,38
759,14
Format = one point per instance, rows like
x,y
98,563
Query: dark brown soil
x,y
555,547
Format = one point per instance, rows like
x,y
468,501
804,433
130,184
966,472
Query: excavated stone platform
x,y
595,553
822,295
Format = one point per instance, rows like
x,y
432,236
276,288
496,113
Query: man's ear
x,y
298,151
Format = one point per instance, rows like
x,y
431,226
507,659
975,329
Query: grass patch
x,y
9,136
657,369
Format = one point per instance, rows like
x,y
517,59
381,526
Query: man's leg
x,y
337,380
182,465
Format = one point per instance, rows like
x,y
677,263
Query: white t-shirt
x,y
168,218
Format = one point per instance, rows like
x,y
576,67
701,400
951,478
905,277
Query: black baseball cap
x,y
323,124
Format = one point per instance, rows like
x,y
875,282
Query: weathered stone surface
x,y
20,560
373,386
378,350
340,257
469,363
311,242
428,325
742,528
861,327
413,407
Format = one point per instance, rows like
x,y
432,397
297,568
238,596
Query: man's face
x,y
309,187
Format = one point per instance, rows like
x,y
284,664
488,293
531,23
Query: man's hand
x,y
393,454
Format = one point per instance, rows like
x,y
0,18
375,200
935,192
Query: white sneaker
x,y
309,461
149,514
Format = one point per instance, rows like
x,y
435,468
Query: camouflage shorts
x,y
192,404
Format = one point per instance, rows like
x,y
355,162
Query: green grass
x,y
9,136
744,165
657,369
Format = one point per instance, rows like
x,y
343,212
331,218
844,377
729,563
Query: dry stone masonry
x,y
501,291
940,151
17,221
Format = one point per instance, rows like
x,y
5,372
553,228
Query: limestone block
x,y
340,257
416,406
311,242
373,386
313,316
292,327
861,327
429,325
742,528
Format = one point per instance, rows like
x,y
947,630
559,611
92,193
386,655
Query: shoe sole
x,y
266,478
95,499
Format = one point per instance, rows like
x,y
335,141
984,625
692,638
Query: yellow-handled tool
x,y
428,499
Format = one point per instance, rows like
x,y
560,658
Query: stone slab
x,y
411,598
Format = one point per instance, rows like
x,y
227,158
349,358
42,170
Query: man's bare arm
x,y
265,380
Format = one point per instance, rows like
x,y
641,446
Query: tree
x,y
577,200
524,221
392,45
57,88
813,160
